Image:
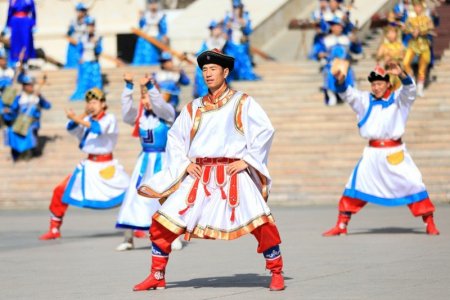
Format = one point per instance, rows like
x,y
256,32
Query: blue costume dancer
x,y
238,28
26,105
151,121
77,29
6,80
216,40
153,22
21,21
89,73
322,27
336,46
170,80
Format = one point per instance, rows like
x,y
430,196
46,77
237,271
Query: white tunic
x,y
136,211
236,127
97,184
152,20
385,176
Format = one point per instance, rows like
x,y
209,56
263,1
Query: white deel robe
x,y
384,176
98,185
136,211
235,127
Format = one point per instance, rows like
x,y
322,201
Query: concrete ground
x,y
385,256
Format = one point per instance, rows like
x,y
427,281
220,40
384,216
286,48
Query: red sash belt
x,y
385,143
100,157
209,165
20,14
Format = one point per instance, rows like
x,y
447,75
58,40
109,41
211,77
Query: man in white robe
x,y
217,181
386,174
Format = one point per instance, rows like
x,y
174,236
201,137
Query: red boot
x,y
340,227
156,279
140,234
276,267
431,227
53,232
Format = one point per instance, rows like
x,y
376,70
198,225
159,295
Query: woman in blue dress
x,y
21,21
238,28
28,104
153,23
77,29
89,73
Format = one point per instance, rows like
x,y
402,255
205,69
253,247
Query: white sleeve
x,y
129,113
358,101
408,92
160,107
259,132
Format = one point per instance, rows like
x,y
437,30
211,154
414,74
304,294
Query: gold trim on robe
x,y
210,232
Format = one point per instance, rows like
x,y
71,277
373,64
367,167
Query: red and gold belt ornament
x,y
208,165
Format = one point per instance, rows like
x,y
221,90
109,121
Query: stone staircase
x,y
314,151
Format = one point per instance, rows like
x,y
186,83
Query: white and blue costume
x,y
155,25
30,105
6,80
387,175
170,82
238,46
77,29
89,72
96,184
136,211
339,47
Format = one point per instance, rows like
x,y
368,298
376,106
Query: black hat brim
x,y
211,57
377,77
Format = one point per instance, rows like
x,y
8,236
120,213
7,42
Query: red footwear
x,y
277,282
53,233
139,234
340,227
276,266
154,281
431,227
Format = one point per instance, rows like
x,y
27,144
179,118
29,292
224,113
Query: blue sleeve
x,y
319,48
43,103
71,125
129,85
99,46
356,48
247,30
341,88
71,30
184,79
13,111
95,127
202,49
141,22
149,85
407,80
163,26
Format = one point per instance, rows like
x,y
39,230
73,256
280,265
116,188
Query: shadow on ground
x,y
389,230
235,281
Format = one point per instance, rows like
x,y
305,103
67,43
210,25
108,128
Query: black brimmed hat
x,y
215,56
378,74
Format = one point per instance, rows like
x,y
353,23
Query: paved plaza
x,y
385,256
